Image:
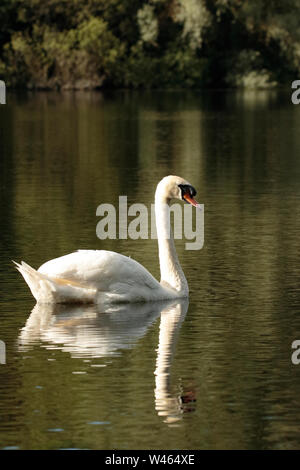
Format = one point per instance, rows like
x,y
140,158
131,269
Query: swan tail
x,y
41,287
46,289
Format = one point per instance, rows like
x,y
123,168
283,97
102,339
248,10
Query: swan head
x,y
175,187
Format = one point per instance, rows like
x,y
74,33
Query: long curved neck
x,y
171,272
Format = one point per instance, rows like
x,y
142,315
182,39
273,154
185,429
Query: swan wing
x,y
105,270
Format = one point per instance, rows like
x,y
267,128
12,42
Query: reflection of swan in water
x,y
168,404
89,330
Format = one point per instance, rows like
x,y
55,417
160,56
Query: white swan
x,y
100,276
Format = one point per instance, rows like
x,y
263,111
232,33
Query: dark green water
x,y
214,373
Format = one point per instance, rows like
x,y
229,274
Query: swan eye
x,y
187,189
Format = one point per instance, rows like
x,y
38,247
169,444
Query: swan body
x,y
93,276
98,276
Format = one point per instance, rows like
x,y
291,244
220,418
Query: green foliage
x,y
155,43
247,71
148,24
76,58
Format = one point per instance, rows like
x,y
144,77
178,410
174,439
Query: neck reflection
x,y
168,404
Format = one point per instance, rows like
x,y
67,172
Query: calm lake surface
x,y
211,373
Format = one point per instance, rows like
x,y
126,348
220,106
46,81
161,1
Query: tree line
x,y
79,44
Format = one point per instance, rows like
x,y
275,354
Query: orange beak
x,y
190,200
